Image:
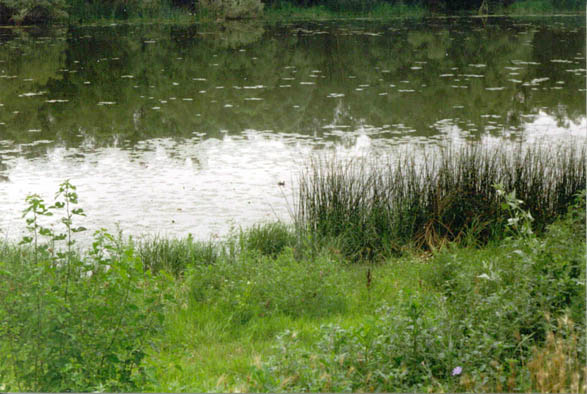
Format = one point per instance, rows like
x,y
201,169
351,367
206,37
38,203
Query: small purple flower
x,y
457,371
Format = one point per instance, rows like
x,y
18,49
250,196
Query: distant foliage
x,y
233,9
32,11
48,11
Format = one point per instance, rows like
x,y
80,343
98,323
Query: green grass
x,y
487,310
218,353
271,309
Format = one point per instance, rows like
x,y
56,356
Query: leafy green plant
x,y
488,323
519,222
72,322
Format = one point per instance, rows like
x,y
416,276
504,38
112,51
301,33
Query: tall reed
x,y
425,199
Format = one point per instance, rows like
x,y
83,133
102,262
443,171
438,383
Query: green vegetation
x,y
83,11
232,9
430,199
73,323
278,308
279,10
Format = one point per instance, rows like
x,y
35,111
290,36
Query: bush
x,y
69,323
29,12
351,5
232,9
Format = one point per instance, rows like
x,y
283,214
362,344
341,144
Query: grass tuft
x,y
174,256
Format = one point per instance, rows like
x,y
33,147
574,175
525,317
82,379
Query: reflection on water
x,y
189,129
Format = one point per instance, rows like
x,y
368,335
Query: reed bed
x,y
377,207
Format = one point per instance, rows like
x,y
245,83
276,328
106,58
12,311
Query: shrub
x,y
232,9
492,327
351,5
33,11
73,323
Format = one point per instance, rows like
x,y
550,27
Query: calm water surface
x,y
188,129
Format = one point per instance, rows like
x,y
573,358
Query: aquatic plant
x,y
427,200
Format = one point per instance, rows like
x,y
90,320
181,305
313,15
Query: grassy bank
x,y
280,308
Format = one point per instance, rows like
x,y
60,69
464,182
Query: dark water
x,y
188,129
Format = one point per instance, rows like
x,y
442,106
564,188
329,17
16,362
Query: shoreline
x,y
310,14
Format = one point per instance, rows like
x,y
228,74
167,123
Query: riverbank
x,y
70,12
274,308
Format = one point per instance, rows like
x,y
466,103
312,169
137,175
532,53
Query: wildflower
x,y
457,371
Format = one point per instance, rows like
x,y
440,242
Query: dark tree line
x,y
44,11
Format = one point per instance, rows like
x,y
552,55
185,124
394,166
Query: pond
x,y
200,129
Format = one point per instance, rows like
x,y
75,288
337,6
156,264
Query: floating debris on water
x,y
539,80
32,94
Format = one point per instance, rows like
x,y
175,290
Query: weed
x,y
73,324
174,256
268,239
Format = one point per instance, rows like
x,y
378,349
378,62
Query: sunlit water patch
x,y
160,127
